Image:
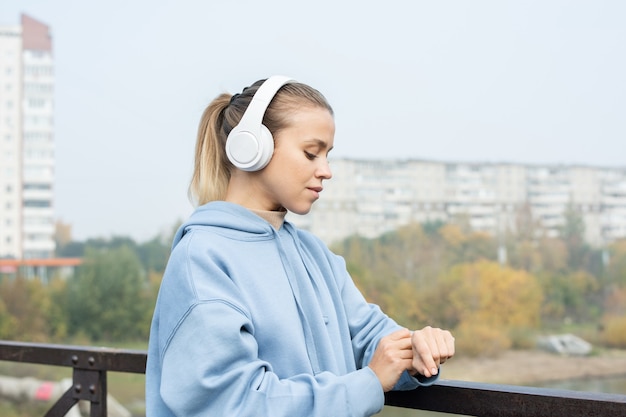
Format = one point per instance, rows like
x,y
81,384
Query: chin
x,y
300,210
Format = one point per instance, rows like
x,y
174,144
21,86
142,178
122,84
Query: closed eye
x,y
309,155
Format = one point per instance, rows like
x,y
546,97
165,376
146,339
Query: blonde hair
x,y
212,168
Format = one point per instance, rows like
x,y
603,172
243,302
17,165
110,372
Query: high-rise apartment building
x,y
26,140
371,197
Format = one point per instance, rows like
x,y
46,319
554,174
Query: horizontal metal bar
x,y
455,397
487,400
83,357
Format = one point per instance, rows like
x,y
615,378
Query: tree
x,y
493,294
62,234
154,254
8,324
616,269
553,255
107,297
29,304
574,296
573,234
491,300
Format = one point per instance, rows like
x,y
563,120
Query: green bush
x,y
522,338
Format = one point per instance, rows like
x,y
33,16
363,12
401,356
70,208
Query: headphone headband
x,y
252,118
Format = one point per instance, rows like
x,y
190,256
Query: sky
x,y
533,82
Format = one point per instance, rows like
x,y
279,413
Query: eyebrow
x,y
322,144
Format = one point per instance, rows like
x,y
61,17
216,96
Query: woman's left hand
x,y
431,347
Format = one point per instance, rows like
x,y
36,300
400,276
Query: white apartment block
x,y
26,141
371,197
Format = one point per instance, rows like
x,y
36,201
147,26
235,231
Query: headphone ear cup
x,y
266,144
249,152
250,145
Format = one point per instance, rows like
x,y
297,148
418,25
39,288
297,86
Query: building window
x,y
36,102
37,186
37,203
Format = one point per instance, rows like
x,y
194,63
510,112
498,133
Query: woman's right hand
x,y
392,357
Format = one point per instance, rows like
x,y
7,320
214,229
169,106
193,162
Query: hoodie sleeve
x,y
368,324
211,367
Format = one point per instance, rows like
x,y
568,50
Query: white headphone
x,y
250,144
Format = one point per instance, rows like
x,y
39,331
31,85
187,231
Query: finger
x,y
400,339
403,347
445,345
406,353
423,360
449,339
432,338
441,354
394,343
399,334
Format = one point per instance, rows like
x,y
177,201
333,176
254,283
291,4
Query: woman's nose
x,y
323,171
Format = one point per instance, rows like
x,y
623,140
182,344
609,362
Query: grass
x,y
128,390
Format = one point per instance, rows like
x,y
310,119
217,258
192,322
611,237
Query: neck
x,y
275,218
244,190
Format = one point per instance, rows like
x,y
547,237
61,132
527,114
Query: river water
x,y
610,385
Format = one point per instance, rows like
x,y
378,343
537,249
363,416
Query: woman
x,y
254,316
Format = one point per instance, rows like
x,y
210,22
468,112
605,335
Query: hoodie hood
x,y
227,219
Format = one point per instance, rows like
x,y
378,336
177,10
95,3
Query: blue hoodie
x,y
254,321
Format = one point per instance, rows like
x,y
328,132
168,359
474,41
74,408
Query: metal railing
x,y
91,364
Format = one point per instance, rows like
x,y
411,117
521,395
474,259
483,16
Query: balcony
x,y
90,366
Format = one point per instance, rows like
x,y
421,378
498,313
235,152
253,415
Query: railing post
x,y
91,386
88,385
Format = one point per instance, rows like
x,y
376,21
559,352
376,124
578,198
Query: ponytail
x,y
211,171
